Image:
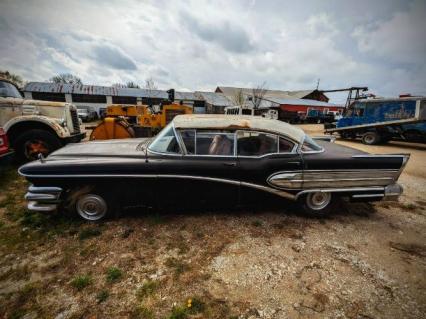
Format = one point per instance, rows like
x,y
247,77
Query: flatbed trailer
x,y
380,120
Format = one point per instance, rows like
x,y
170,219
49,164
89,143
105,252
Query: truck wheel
x,y
33,142
317,204
371,138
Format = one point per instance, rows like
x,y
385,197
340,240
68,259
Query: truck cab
x,y
36,127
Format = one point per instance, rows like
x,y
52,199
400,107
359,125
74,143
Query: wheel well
x,y
15,130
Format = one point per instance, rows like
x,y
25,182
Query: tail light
x,y
4,142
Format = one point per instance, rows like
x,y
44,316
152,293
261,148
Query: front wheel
x,y
317,204
31,143
93,205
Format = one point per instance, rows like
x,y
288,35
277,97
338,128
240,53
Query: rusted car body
x,y
210,160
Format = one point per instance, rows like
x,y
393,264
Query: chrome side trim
x,y
367,195
275,191
309,179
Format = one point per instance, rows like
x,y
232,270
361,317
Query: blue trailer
x,y
380,120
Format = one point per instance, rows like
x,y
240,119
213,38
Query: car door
x,y
202,170
261,155
209,158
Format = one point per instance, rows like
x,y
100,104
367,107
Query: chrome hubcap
x,y
318,200
91,207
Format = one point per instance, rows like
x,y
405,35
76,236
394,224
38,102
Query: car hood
x,y
107,148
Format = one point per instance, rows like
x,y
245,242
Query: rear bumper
x,y
388,193
75,138
43,199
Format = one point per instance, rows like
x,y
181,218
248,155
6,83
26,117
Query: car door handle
x,y
230,164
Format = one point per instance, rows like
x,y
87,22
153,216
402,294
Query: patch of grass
x,y
102,296
89,233
113,274
257,223
195,306
410,206
147,289
81,281
179,313
178,266
126,233
142,312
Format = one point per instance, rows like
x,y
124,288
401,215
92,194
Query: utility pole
x,y
318,82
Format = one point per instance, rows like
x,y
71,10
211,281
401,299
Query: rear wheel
x,y
371,138
317,204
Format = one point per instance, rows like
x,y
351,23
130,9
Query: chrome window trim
x,y
166,153
235,155
322,150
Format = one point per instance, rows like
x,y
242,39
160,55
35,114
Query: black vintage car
x,y
210,159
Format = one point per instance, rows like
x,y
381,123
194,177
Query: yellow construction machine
x,y
127,121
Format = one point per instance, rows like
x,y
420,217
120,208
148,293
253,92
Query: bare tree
x,y
12,77
132,85
150,84
66,78
257,95
119,85
238,98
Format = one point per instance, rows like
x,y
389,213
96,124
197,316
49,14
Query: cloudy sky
x,y
198,45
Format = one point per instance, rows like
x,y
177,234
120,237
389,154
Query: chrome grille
x,y
75,122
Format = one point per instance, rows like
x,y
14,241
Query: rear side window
x,y
309,145
214,143
256,143
285,146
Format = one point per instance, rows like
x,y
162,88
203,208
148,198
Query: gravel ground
x,y
363,261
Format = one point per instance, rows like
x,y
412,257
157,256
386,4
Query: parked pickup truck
x,y
36,127
380,120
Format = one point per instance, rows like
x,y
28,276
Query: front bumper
x,y
75,138
6,158
43,199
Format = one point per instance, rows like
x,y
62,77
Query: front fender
x,y
61,131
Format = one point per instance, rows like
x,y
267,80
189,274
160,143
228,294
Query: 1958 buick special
x,y
210,159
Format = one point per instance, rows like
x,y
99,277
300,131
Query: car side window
x,y
165,142
285,146
216,143
256,143
188,138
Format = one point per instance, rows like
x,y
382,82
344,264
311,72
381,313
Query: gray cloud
x,y
113,57
229,36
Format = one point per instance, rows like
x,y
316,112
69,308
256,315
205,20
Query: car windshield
x,y
9,90
165,142
309,145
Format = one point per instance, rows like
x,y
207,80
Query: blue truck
x,y
380,120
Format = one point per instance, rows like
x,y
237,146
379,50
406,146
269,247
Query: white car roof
x,y
238,122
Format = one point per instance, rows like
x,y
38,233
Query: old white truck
x,y
36,127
